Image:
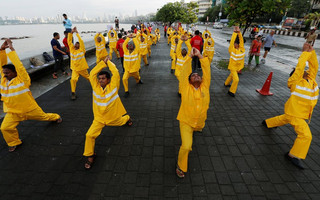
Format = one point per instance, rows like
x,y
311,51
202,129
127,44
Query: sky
x,y
92,8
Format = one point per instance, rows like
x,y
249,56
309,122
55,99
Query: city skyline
x,y
92,9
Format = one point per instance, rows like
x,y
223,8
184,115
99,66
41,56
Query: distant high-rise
x,y
136,13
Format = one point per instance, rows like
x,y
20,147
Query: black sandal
x,y
89,163
129,122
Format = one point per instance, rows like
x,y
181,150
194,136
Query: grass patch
x,y
224,63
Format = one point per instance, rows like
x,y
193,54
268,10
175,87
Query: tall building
x,y
204,5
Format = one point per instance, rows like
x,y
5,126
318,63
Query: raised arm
x,y
82,47
95,37
206,71
233,38
115,80
21,70
178,48
94,73
185,72
298,73
103,39
136,44
313,65
241,42
124,46
70,37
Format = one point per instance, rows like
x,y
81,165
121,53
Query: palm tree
x,y
315,17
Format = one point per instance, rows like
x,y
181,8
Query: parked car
x,y
218,25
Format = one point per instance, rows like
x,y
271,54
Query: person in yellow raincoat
x,y
174,41
79,65
208,48
149,42
144,49
236,62
18,102
169,34
195,99
299,107
106,104
113,39
157,32
100,43
131,62
182,55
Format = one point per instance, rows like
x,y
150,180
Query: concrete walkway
x,y
233,158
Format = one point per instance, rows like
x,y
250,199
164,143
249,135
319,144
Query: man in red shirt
x,y
197,43
120,49
65,42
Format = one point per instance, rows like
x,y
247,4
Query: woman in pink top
x,y
255,50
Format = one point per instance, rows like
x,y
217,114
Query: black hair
x,y
194,72
237,41
64,32
64,14
55,34
10,67
197,32
119,35
105,73
292,72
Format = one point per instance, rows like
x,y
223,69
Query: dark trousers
x,y
195,63
121,58
68,30
58,64
165,34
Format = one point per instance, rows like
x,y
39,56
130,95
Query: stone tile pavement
x,y
233,158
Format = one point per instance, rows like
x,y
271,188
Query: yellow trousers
x,y
95,130
145,60
173,62
302,143
186,133
126,76
113,49
235,80
149,50
12,120
75,76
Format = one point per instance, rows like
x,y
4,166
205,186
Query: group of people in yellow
x,y
194,89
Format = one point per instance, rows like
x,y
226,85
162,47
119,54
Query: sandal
x,y
59,120
13,148
179,172
88,164
129,122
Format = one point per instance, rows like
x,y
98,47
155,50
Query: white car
x,y
218,25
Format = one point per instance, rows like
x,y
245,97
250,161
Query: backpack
x,y
36,62
47,57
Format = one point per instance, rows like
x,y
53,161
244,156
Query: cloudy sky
x,y
92,8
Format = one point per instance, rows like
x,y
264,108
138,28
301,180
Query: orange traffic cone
x,y
266,87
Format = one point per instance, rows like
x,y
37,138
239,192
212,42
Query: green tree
x,y
315,17
299,8
213,13
178,11
244,12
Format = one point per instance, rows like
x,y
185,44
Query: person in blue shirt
x,y
58,55
67,23
267,44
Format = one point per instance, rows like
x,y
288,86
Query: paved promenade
x,y
233,158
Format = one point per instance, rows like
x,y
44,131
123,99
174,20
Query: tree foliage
x,y
299,8
315,17
178,11
213,13
243,12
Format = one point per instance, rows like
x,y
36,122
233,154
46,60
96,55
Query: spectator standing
x,y
255,50
116,22
196,42
311,37
57,54
267,44
67,23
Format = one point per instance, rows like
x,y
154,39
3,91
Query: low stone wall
x,y
287,32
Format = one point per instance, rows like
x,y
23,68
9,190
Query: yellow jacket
x,y
101,51
131,61
106,103
143,45
112,40
78,59
304,94
236,61
15,94
206,32
194,102
173,45
208,50
180,58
